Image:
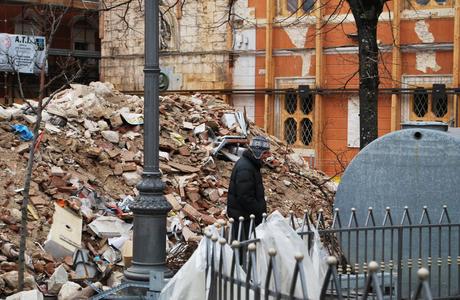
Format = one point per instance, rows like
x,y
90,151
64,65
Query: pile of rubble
x,y
88,163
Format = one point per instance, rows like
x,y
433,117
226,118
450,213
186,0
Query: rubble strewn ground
x,y
87,165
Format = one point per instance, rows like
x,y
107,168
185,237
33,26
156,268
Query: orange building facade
x,y
311,47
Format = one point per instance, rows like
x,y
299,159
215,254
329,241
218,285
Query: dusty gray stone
x,y
131,178
26,295
111,136
69,290
59,278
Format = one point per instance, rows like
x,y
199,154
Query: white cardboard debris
x,y
65,233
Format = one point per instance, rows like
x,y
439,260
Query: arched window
x,y
83,36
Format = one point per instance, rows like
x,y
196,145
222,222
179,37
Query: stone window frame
x,y
282,115
426,81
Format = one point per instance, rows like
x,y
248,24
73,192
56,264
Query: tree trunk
x,y
366,14
29,171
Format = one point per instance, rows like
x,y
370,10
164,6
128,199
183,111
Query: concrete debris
x,y
86,173
109,226
11,280
131,178
27,295
111,136
59,278
69,290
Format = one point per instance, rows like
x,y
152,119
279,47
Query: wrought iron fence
x,y
368,259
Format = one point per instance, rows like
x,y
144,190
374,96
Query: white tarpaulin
x,y
276,233
21,53
189,283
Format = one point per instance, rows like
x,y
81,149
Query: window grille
x,y
290,131
306,131
430,106
420,103
297,118
291,102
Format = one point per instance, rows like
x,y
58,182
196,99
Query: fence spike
x,y
331,274
264,217
320,219
444,215
336,219
251,226
423,286
306,223
387,217
425,214
291,219
235,259
252,256
353,219
406,216
231,221
240,228
222,264
373,282
235,262
370,217
272,270
251,273
299,272
213,277
222,223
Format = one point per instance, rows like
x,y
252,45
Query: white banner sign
x,y
21,53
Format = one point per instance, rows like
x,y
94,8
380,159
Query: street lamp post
x,y
151,208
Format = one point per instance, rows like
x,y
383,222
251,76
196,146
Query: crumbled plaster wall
x,y
425,59
194,55
298,36
244,66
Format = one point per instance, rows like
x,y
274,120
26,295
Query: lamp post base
x,y
139,272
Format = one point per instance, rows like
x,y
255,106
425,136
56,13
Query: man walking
x,y
246,194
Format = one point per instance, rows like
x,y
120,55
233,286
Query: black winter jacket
x,y
246,191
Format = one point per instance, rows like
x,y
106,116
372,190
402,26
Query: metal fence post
x,y
400,262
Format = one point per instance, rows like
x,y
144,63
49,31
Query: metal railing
x,y
386,260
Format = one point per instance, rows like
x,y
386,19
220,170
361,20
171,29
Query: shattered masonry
x,y
87,165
